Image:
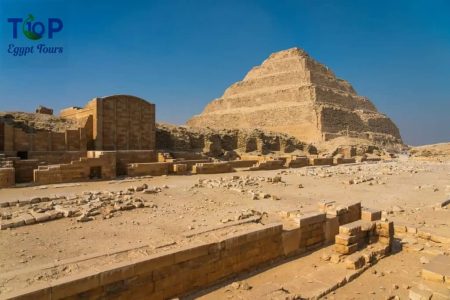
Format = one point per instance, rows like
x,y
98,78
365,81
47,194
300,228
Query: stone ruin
x,y
292,93
94,142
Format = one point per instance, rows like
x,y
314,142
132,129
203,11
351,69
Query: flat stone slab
x,y
438,269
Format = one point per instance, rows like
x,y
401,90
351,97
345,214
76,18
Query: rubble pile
x,y
85,207
242,184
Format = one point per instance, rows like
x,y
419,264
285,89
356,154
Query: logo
x,y
35,30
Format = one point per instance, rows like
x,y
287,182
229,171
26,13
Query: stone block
x,y
150,263
368,214
342,249
40,217
312,218
117,272
291,241
355,261
353,228
36,292
385,229
28,219
325,205
75,284
191,252
354,211
331,228
418,294
438,269
346,240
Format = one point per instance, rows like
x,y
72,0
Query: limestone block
x,y
438,269
342,249
7,177
355,261
75,284
385,229
369,214
291,241
346,240
312,218
179,169
419,294
353,228
331,228
354,211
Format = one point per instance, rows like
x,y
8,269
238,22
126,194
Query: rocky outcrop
x,y
292,93
226,143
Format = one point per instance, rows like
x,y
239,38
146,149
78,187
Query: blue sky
x,y
182,54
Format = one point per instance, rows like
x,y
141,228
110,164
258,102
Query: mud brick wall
x,y
78,170
170,274
212,168
144,169
7,177
124,158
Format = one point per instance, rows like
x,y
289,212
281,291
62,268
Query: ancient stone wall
x,y
17,139
212,168
124,158
144,169
118,122
175,273
97,165
7,177
170,274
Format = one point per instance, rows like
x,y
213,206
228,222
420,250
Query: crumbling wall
x,y
17,139
97,164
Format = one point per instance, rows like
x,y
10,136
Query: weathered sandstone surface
x,y
292,93
226,143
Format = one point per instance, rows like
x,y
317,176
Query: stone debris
x,y
84,206
241,184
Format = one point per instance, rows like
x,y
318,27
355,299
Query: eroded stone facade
x,y
292,93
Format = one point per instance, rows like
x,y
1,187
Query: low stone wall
x,y
212,168
170,274
341,160
243,163
7,177
24,169
175,273
321,161
144,169
126,157
101,164
189,163
269,165
297,162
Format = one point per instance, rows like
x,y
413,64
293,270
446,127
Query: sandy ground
x,y
407,190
